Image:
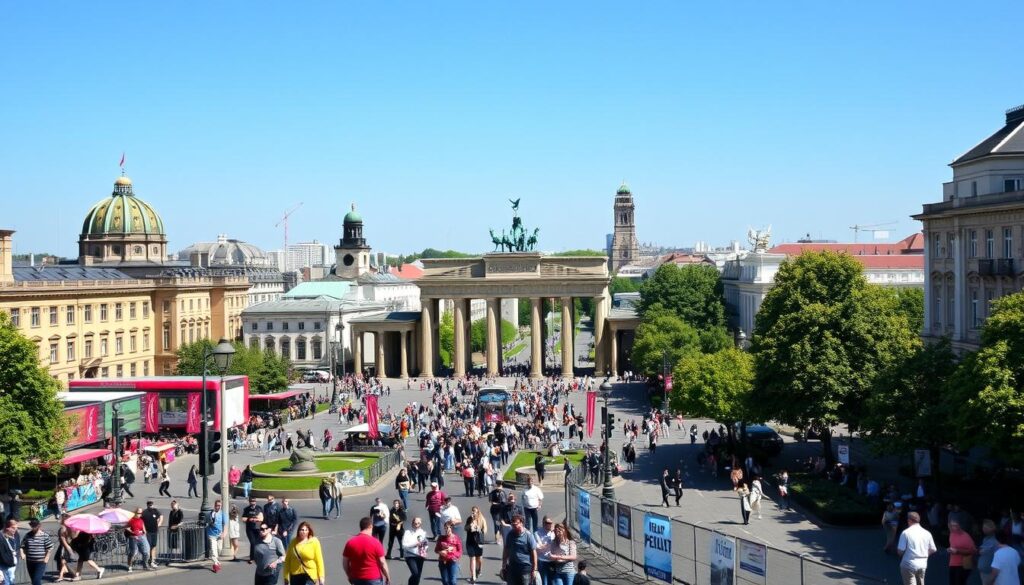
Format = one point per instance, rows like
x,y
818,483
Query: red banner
x,y
151,412
85,425
372,416
591,415
193,419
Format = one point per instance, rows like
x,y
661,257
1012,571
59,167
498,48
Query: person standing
x,y
414,545
396,526
451,513
363,558
270,555
326,495
304,562
9,550
271,513
288,519
35,550
562,552
544,535
756,494
152,520
339,495
253,516
1005,563
961,554
677,485
135,529
519,554
234,531
581,577
915,546
783,479
379,514
744,495
246,481
987,550
449,551
538,466
174,519
214,529
533,497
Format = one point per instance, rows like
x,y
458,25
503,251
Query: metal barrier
x,y
110,550
617,533
386,462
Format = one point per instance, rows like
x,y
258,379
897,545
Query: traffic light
x,y
213,455
611,423
203,471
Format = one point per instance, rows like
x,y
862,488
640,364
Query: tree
x,y
911,302
716,385
822,337
31,415
267,371
715,339
620,284
478,334
693,293
446,338
582,252
661,334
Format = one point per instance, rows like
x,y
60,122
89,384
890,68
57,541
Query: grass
x,y
286,483
831,502
325,463
516,349
526,458
320,407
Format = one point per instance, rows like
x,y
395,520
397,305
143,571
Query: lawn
x,y
516,349
325,463
322,406
526,458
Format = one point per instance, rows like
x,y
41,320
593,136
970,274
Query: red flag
x,y
591,415
193,421
121,164
372,416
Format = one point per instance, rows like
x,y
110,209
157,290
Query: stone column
x,y
600,314
459,349
427,337
493,336
404,364
567,338
613,337
378,338
468,312
357,351
536,341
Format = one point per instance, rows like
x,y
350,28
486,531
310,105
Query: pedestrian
x,y
152,520
288,519
246,480
270,556
127,479
35,549
135,530
476,529
987,550
338,493
403,483
165,484
498,499
562,552
9,550
234,476
379,514
915,546
82,544
666,486
253,516
396,526
174,519
272,513
234,531
544,535
533,497
435,501
63,556
415,547
1005,563
677,485
326,495
214,528
744,495
961,554
538,466
449,551
304,562
363,558
783,480
756,494
519,554
581,574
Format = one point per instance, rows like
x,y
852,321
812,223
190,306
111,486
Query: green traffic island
x,y
273,477
522,466
832,503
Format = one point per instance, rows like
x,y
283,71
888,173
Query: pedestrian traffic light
x,y
203,470
213,454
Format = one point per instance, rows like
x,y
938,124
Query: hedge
x,y
831,502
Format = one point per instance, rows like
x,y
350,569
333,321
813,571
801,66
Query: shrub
x,y
831,502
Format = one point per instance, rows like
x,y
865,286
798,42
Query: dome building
x,y
122,229
229,256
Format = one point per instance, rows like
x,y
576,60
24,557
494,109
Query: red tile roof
x,y
907,253
680,258
407,271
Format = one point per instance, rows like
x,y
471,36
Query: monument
x,y
517,241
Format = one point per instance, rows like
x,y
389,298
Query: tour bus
x,y
493,403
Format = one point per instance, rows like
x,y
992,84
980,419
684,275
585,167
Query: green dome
x,y
352,216
122,213
623,190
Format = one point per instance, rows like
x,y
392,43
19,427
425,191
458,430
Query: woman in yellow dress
x,y
304,563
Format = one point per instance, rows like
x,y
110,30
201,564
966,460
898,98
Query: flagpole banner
x,y
192,418
754,559
723,560
658,547
591,408
151,420
372,416
625,521
584,513
608,512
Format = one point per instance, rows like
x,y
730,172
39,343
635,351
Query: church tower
x,y
624,248
352,255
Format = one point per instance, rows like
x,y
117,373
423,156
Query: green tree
x,y
267,371
524,312
620,284
822,337
581,252
911,303
715,339
478,334
661,335
714,385
31,415
446,338
693,293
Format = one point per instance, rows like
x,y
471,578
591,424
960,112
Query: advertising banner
x,y
151,412
81,496
85,425
658,547
753,559
591,408
584,519
843,451
723,560
193,418
625,521
608,512
372,416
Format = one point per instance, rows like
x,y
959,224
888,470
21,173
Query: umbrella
x,y
116,515
88,523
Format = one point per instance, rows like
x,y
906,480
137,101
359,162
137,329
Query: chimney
x,y
6,261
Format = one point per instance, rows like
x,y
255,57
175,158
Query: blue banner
x,y
658,547
81,496
584,512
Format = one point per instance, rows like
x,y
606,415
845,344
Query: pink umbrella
x,y
116,515
88,523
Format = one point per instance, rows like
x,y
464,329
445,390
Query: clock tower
x,y
624,247
352,255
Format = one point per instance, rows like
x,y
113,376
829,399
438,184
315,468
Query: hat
x,y
433,484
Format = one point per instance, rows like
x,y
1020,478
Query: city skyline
x,y
811,119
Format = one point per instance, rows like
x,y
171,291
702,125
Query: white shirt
x,y
411,540
1006,560
917,543
532,497
451,513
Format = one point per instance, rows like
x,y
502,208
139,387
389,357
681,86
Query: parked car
x,y
765,439
316,376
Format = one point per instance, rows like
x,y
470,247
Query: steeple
x,y
625,248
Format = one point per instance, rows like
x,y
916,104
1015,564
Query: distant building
x,y
974,236
624,248
229,256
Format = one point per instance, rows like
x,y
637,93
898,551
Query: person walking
x,y
915,546
363,558
127,479
744,495
379,514
1005,562
135,530
783,479
326,495
544,535
253,517
63,556
403,484
476,529
35,550
152,520
234,531
214,529
415,547
396,526
449,551
246,480
339,495
271,513
304,562
434,502
519,554
666,486
756,494
165,484
193,482
82,544
961,554
533,497
287,521
498,499
270,556
562,552
677,486
9,550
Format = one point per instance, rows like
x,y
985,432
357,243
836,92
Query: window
x,y
104,372
167,337
989,297
182,337
300,349
951,241
145,341
316,325
255,326
270,325
103,312
975,312
990,244
974,188
972,249
145,309
145,368
118,311
284,326
16,317
1010,185
317,349
69,315
167,306
191,304
87,313
35,317
120,371
119,345
302,325
132,346
103,347
71,350
53,315
1007,242
53,353
132,367
88,349
182,305
131,311
936,245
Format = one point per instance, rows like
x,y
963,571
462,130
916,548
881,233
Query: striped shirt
x,y
36,545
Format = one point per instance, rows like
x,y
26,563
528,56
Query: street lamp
x,y
607,491
741,339
221,354
665,381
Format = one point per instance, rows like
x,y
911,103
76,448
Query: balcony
x,y
995,267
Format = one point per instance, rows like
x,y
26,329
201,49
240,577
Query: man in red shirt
x,y
136,531
363,557
435,501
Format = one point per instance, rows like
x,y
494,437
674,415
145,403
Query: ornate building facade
x,y
624,248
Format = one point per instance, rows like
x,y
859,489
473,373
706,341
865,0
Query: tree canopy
x,y
580,252
446,338
31,415
693,293
478,334
267,371
662,334
714,385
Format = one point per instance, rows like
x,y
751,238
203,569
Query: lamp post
x,y
115,499
664,378
222,357
222,354
607,491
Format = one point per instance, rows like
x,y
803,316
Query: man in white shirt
x,y
915,546
1005,563
450,513
532,498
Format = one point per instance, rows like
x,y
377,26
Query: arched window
x,y
268,345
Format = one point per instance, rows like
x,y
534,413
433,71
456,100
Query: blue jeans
x,y
435,523
36,571
531,519
559,578
140,544
246,486
328,506
9,573
545,573
449,573
404,496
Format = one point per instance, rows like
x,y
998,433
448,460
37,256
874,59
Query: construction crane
x,y
284,220
874,227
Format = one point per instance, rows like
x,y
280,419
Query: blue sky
x,y
809,116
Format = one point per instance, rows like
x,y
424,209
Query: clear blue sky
x,y
809,116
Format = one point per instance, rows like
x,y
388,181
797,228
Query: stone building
x,y
624,248
235,257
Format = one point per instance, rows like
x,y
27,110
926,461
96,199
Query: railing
x,y
617,533
384,464
110,550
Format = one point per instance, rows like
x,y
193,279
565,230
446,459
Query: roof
x,y
1007,140
380,278
122,213
335,289
407,271
99,396
67,272
680,258
319,305
912,244
227,252
392,316
906,261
